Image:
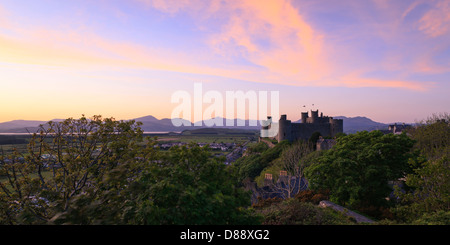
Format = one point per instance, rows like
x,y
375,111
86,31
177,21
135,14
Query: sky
x,y
385,60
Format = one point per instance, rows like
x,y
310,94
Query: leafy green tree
x,y
117,194
188,186
257,148
314,137
66,162
102,171
432,136
427,189
358,168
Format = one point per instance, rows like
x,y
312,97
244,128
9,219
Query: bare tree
x,y
291,176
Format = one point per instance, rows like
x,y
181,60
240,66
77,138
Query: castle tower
x,y
282,128
337,126
314,116
304,117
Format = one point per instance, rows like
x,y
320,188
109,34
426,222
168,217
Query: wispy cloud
x,y
142,50
274,36
283,46
358,82
436,22
246,40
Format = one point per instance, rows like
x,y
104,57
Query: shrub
x,y
312,196
294,212
435,218
261,203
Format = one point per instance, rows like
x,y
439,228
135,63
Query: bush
x,y
312,196
257,148
262,203
435,218
294,212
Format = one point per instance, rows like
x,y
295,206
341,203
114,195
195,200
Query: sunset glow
x,y
386,60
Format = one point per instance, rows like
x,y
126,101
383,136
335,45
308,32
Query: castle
x,y
287,130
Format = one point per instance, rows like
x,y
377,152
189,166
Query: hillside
x,y
355,124
152,124
149,124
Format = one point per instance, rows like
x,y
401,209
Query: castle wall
x,y
326,126
337,126
305,131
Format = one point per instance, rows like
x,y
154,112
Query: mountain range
x,y
152,124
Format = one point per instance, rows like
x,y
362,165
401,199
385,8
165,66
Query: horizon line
x,y
192,122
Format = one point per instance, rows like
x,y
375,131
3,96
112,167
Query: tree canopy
x,y
426,196
358,168
102,171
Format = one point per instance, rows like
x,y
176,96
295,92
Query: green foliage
x,y
340,134
313,196
189,187
357,169
273,169
434,218
433,136
312,157
249,167
432,184
100,171
314,137
257,148
65,165
427,189
294,158
294,212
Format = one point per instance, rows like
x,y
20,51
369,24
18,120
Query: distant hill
x,y
146,119
20,126
152,124
149,124
355,124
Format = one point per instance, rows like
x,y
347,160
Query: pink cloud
x,y
274,36
436,22
370,82
4,22
279,42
